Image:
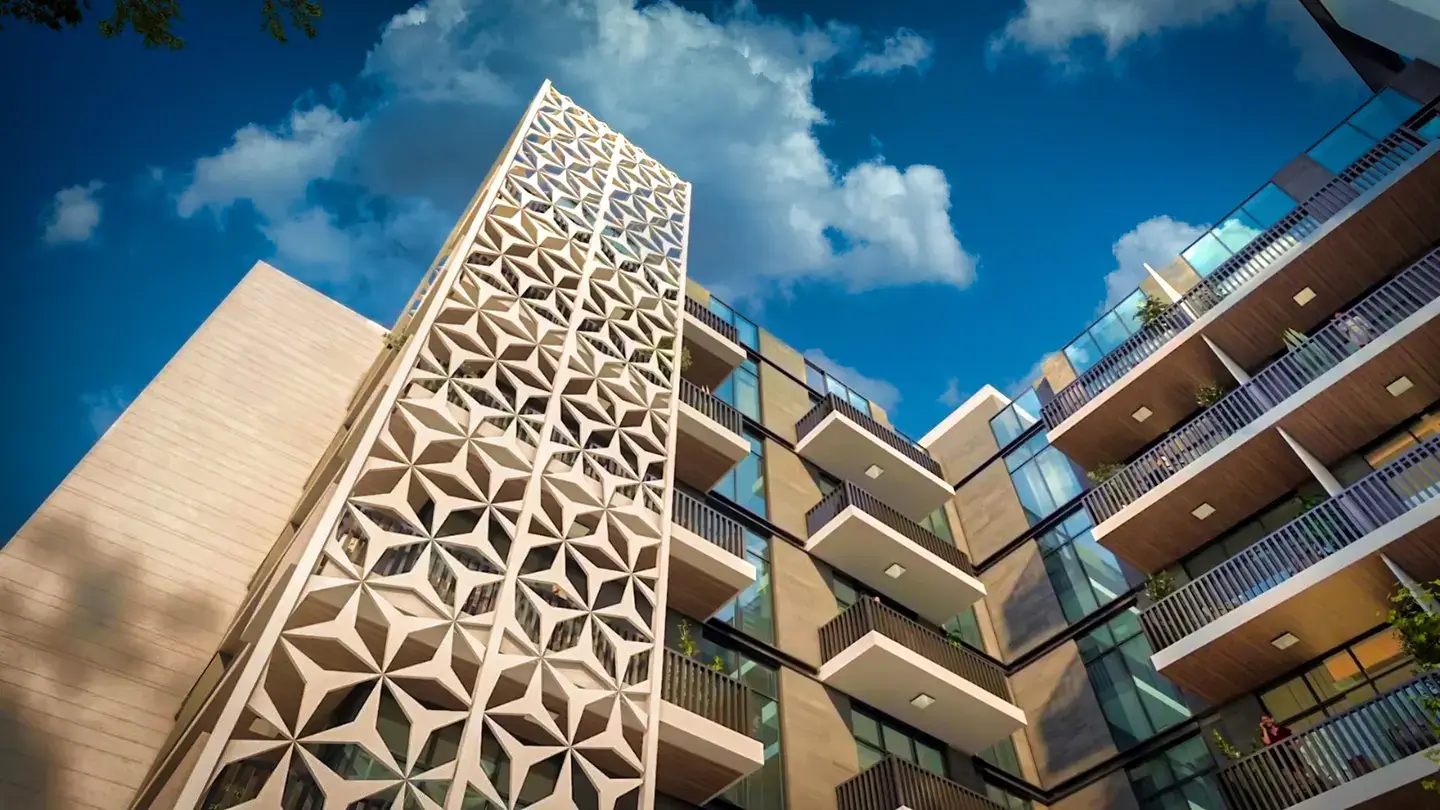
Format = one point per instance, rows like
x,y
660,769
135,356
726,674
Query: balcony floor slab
x,y
705,450
703,576
848,450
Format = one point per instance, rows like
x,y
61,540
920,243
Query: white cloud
x,y
73,214
1320,61
102,408
951,396
727,103
905,49
878,391
1157,240
1052,28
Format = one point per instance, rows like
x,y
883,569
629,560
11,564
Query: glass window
x,y
1206,254
1007,800
1238,230
1003,756
1109,332
877,736
745,485
938,524
1341,147
966,626
1083,354
1044,478
1361,671
1269,205
1136,701
1382,114
824,383
745,329
763,789
1182,776
742,389
1085,575
753,611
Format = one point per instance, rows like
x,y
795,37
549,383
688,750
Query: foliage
x,y
952,635
717,664
688,646
1159,585
685,359
1103,472
1293,339
1151,309
1230,751
1420,638
393,340
1209,394
153,19
1308,502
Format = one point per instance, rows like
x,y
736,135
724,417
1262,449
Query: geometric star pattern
x,y
480,630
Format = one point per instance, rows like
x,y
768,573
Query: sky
x,y
925,197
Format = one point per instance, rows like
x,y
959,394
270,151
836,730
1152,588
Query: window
x,y
745,328
1007,800
938,524
752,612
1004,756
745,485
1105,335
1264,209
1181,776
1362,130
1136,701
1044,478
1085,575
742,390
1361,671
1247,534
848,591
824,383
1011,423
876,737
967,626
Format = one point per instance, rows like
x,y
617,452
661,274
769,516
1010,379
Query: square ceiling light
x,y
922,701
894,570
1203,511
1142,414
873,471
1284,641
1399,386
1305,296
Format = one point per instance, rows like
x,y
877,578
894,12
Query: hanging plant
x,y
1209,394
1104,472
1228,750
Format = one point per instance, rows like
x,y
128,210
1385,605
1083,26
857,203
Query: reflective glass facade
x,y
745,485
1044,478
824,383
1084,574
1182,777
1137,702
1011,423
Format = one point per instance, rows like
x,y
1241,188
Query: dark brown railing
x,y
717,409
1244,265
702,313
700,519
893,783
1348,333
1411,479
869,615
715,696
1378,732
850,495
833,404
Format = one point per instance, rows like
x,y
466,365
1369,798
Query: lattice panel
x,y
480,628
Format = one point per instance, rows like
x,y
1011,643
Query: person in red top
x,y
1272,732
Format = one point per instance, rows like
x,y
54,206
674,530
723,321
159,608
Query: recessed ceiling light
x,y
1400,386
1142,414
1305,296
873,471
922,701
1284,642
1203,511
894,570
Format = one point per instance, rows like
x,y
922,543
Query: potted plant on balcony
x,y
1419,630
1151,310
1159,585
1209,394
1103,472
685,359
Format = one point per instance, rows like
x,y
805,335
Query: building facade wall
x,y
824,754
114,595
990,512
1021,602
1068,733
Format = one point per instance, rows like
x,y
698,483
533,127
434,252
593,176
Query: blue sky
x,y
930,200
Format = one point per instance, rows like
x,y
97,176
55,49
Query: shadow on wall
x,y
76,630
1068,732
1030,611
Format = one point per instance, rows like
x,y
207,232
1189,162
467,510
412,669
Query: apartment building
x,y
577,533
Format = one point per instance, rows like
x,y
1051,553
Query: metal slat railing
x,y
1411,479
869,615
702,313
715,696
713,407
1346,334
1379,732
892,783
1264,250
834,404
706,522
849,494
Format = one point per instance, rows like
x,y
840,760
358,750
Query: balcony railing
x,y
850,495
700,519
1263,251
869,615
715,696
702,313
1411,479
1381,731
891,784
717,409
1346,334
833,404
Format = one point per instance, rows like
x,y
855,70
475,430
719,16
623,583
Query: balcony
x,y
711,438
1329,394
1339,242
858,534
1319,577
917,676
715,348
894,784
707,558
842,440
1371,756
705,721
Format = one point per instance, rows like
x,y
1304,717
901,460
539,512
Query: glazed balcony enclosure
x,y
894,784
917,676
1371,757
714,345
837,437
1349,235
1372,366
858,534
711,437
707,558
1319,578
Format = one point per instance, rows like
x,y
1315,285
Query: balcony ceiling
x,y
705,450
846,449
703,576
